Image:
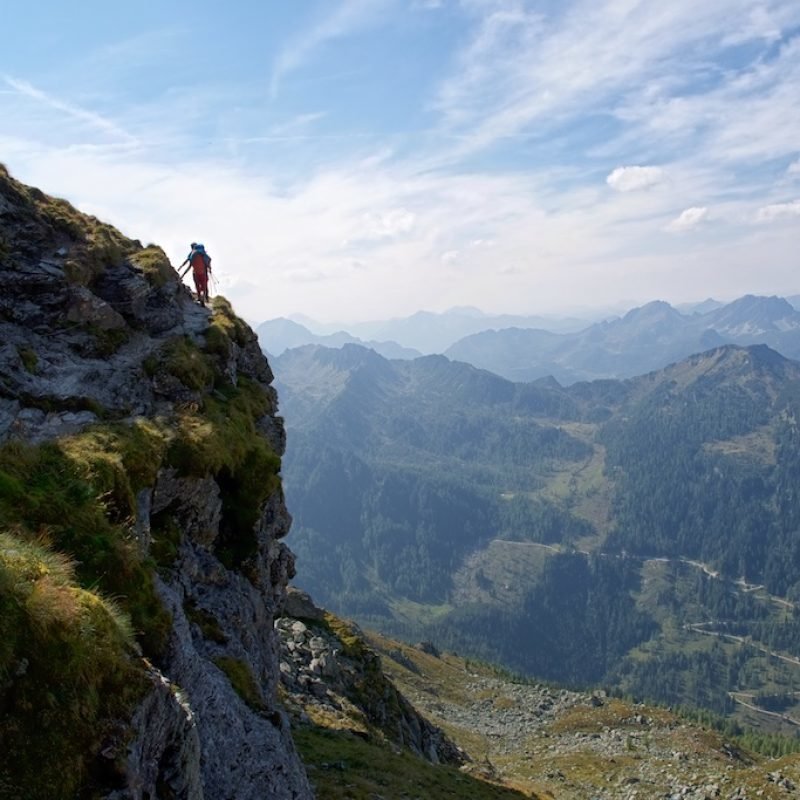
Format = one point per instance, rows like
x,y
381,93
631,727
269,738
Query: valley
x,y
580,535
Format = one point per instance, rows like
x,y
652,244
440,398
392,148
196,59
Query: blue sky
x,y
358,159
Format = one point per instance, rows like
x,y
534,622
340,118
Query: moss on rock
x,y
241,678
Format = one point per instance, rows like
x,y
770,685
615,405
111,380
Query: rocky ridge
x,y
330,676
138,435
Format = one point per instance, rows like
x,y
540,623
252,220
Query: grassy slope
x,y
342,766
560,759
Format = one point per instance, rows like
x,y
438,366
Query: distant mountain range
x,y
425,332
278,335
646,338
526,348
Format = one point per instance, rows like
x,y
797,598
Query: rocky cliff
x,y
141,517
332,679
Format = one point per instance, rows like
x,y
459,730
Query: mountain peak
x,y
656,309
754,315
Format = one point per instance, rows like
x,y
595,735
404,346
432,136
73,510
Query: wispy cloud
x,y
348,17
776,211
688,219
91,118
527,73
297,125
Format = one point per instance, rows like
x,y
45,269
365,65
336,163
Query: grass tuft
x,y
153,262
241,679
29,359
66,672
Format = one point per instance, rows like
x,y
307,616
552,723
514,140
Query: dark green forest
x,y
406,471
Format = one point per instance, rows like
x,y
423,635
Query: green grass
x,y
67,673
79,499
208,624
107,341
183,359
342,766
225,327
153,262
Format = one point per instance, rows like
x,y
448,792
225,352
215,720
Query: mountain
x,y
141,514
646,338
771,320
277,335
703,307
429,332
149,646
589,534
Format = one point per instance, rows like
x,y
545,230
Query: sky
x,y
365,159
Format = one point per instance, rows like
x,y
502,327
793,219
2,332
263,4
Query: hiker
x,y
200,262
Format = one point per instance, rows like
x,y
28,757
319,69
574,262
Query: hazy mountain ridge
x,y
526,348
424,332
646,338
281,334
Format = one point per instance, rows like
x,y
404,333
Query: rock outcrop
x,y
329,673
161,413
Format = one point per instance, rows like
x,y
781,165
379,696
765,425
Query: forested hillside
x,y
638,533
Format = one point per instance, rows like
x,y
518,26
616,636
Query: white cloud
x,y
631,179
688,219
793,168
450,257
388,224
777,211
281,248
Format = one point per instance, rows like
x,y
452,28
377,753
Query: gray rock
x,y
298,604
195,504
165,755
89,309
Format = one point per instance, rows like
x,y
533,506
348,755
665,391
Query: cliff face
x,y
332,679
138,439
